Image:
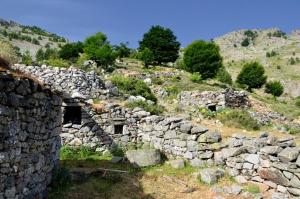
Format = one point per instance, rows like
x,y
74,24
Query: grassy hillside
x,y
29,38
276,50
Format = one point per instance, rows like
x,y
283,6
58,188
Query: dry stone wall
x,y
218,100
71,82
30,123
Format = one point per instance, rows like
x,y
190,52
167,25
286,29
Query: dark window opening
x,y
119,129
72,115
212,108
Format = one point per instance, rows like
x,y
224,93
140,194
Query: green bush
x,y
239,119
97,48
8,52
133,86
224,76
251,34
147,56
196,77
71,51
152,108
252,75
57,62
157,80
162,43
275,88
297,101
122,50
26,58
245,42
203,57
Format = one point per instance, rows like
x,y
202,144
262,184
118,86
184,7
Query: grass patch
x,y
252,188
133,86
81,153
238,118
166,169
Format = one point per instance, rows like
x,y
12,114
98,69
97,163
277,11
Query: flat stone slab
x,y
144,157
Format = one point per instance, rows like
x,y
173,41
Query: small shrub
x,y
157,81
57,62
271,54
206,113
275,88
196,77
250,34
133,86
297,101
252,75
238,118
146,55
152,108
294,130
26,58
224,76
172,90
8,52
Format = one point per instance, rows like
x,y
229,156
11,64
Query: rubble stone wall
x,y
30,123
206,99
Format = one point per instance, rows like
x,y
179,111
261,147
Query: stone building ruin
x,y
30,124
26,173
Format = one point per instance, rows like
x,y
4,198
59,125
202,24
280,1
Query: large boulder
x,y
144,157
210,137
288,154
273,175
211,175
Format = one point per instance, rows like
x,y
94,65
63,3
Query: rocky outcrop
x,y
30,123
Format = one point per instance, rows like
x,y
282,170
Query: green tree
x,y
252,75
122,50
146,56
71,51
163,44
97,48
275,88
40,55
203,57
26,58
245,42
50,54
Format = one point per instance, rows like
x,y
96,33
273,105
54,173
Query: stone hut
x,y
30,123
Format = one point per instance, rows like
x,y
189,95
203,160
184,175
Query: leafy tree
x,y
275,88
146,56
163,44
122,50
203,57
252,75
40,55
245,42
97,48
26,58
71,51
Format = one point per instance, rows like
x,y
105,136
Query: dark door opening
x,y
119,129
72,115
212,108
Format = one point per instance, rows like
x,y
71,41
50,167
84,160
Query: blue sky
x,y
127,20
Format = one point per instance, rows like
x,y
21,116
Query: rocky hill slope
x,y
29,38
277,51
